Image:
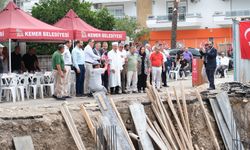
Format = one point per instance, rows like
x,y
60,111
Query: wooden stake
x,y
182,132
156,139
166,132
72,127
181,115
88,120
162,136
185,111
216,144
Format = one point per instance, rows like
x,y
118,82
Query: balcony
x,y
185,21
225,18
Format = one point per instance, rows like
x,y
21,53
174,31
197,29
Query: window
x,y
182,10
19,3
116,10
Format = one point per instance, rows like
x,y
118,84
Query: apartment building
x,y
198,20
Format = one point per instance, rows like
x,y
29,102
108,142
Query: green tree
x,y
51,11
2,4
132,28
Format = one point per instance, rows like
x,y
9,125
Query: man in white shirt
x,y
123,56
90,59
95,83
115,69
68,63
78,63
224,62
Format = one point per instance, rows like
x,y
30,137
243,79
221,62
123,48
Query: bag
x,y
204,74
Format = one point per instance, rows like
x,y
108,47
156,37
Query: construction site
x,y
176,118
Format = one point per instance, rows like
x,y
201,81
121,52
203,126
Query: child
x,y
95,83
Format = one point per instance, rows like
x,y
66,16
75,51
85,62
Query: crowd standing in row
x,y
123,69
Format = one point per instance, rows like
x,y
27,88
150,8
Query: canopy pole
x,y
73,42
9,55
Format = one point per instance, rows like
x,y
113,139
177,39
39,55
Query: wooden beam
x,y
156,139
162,136
88,120
210,129
72,127
182,132
139,118
184,102
23,143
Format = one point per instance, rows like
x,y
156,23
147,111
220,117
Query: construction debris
x,y
72,127
226,123
23,143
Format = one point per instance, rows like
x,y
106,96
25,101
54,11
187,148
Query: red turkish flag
x,y
245,40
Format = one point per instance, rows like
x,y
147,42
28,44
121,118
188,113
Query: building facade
x,y
198,20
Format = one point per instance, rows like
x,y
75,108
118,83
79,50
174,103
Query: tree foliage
x,y
2,4
51,11
132,28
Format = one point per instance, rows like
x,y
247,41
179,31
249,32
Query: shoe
x,y
159,90
165,85
144,91
211,89
90,95
60,98
67,97
79,95
134,92
54,96
124,92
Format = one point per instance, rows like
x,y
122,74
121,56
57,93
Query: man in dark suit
x,y
210,54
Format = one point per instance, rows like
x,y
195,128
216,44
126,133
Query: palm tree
x,y
174,24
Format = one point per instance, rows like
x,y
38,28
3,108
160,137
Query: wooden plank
x,y
156,139
162,136
115,119
166,132
72,127
227,113
172,128
184,102
181,130
196,147
102,102
211,131
88,120
139,118
23,143
225,134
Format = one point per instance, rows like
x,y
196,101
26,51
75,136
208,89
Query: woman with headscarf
x,y
143,69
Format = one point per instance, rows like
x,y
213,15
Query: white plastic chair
x,y
49,81
35,84
22,85
9,83
175,72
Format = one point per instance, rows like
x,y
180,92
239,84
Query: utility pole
x,y
174,24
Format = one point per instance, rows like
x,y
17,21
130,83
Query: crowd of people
x,y
19,64
125,68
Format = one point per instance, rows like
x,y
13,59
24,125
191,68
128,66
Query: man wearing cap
x,y
90,59
59,72
68,64
224,62
115,69
157,61
1,59
210,54
95,82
